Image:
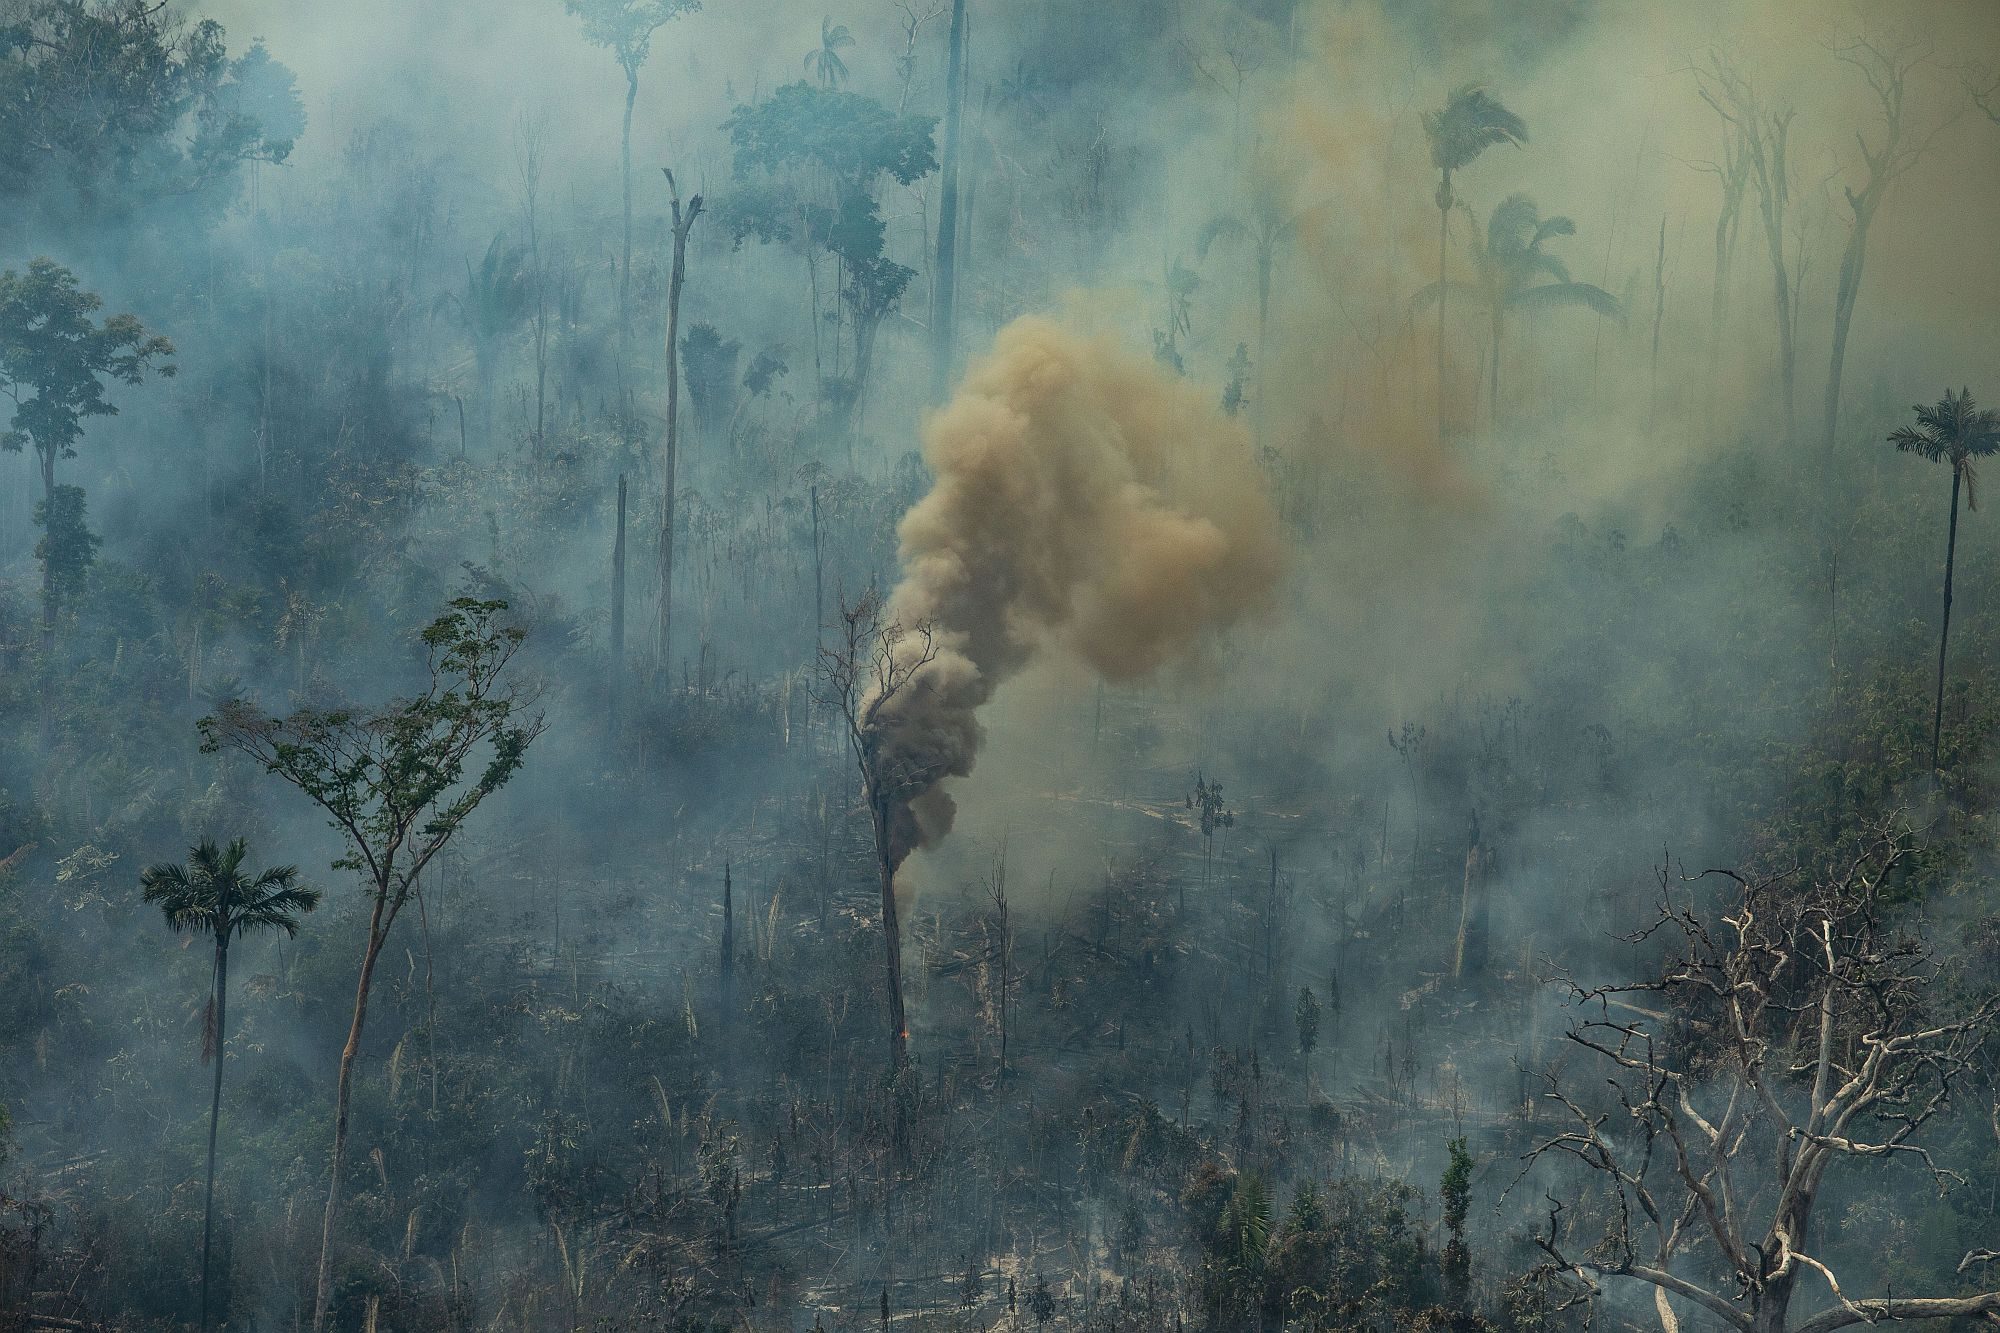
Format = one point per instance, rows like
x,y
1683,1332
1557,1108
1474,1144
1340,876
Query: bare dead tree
x,y
1800,1030
863,668
664,617
1893,152
1763,135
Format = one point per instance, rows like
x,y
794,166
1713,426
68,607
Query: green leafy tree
x,y
1515,274
68,547
1470,122
625,28
398,783
823,62
710,360
1955,431
55,360
210,894
113,111
808,162
1455,1190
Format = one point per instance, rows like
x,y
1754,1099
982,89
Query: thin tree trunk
x,y
48,601
819,572
728,960
214,1119
1493,372
378,931
617,682
1944,631
1659,316
1258,418
1845,297
683,224
1444,229
944,311
625,261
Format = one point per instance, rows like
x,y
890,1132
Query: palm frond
x,y
1551,295
1470,122
1549,266
1428,294
1222,227
1556,226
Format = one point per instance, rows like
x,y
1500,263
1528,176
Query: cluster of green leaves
x,y
394,781
55,358
109,108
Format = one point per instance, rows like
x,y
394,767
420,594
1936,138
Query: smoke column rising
x,y
1085,501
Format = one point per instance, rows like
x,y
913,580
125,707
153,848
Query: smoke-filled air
x,y
999,666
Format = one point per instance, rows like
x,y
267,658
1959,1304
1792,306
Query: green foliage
x,y
55,358
1471,121
1305,1018
67,547
1955,431
855,139
210,895
398,782
110,110
1455,1191
626,27
710,362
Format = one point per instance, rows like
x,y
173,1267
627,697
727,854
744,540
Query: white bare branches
x,y
1803,1029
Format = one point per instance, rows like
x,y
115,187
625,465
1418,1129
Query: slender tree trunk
x,y
944,311
1944,630
214,1119
48,701
379,921
1258,409
1659,316
625,259
728,960
617,682
819,572
1718,297
1845,297
1493,373
683,224
1444,230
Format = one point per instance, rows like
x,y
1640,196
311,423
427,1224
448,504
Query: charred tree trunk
x,y
683,224
1944,630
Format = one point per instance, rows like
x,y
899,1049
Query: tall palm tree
x,y
211,895
1509,265
1954,432
824,62
1470,122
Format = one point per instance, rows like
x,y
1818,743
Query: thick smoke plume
x,y
1085,501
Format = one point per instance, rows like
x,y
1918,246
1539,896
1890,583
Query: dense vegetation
x,y
520,532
